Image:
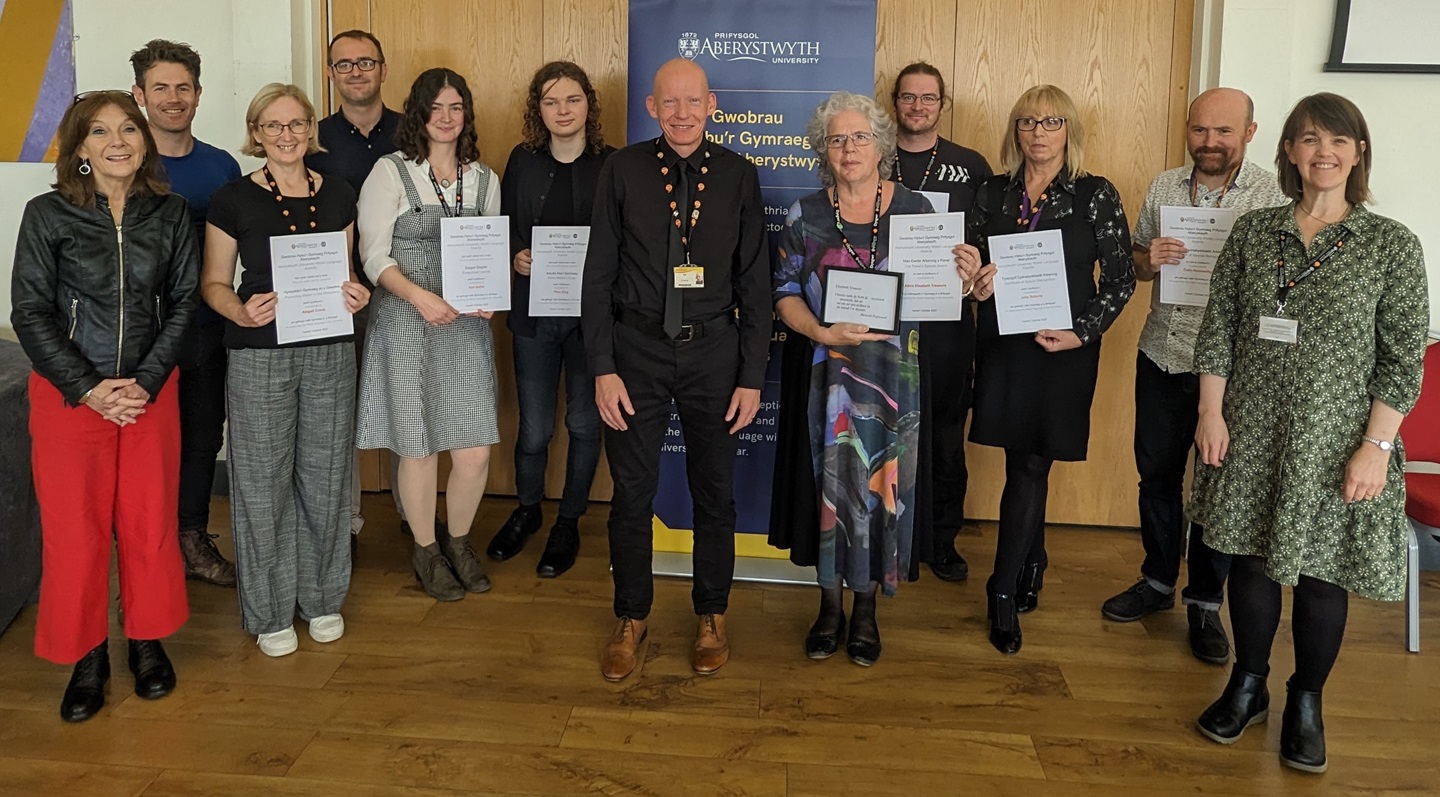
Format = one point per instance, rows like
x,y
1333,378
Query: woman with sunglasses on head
x,y
1033,391
429,378
290,406
103,289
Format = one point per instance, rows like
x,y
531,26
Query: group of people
x,y
1290,385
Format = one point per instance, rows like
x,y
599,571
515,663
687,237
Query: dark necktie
x,y
674,297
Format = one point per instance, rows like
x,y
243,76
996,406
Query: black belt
x,y
688,332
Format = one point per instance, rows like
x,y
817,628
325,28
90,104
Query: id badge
x,y
689,276
1281,330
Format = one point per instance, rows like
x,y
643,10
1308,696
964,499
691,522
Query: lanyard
x,y
1283,286
1195,187
935,150
459,191
874,226
1030,216
685,225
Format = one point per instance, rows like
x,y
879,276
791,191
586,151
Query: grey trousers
x,y
292,436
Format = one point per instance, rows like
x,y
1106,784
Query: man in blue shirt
x,y
167,86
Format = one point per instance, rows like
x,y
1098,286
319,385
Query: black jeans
x,y
1165,417
947,356
700,377
538,361
202,365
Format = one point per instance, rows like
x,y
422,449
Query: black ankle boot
x,y
85,695
1004,620
1027,591
1245,702
154,675
1302,731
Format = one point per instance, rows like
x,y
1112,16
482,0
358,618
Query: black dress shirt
x,y
526,194
628,262
349,154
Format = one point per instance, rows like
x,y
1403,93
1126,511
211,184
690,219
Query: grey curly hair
x,y
880,124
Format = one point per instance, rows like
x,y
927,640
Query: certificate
x,y
1031,292
557,264
939,200
1203,231
475,262
861,296
920,247
307,271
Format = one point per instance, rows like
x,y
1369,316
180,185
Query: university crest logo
x,y
689,45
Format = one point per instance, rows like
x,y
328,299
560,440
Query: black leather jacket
x,y
94,301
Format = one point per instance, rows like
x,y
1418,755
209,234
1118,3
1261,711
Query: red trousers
x,y
94,478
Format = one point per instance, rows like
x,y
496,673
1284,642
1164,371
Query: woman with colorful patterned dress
x,y
863,412
1309,356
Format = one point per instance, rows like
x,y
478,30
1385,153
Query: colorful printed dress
x,y
864,407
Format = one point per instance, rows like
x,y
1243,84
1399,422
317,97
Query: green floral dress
x,y
1296,412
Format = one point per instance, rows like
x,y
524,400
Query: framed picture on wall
x,y
1385,36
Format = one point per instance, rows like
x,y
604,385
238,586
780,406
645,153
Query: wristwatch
x,y
1384,445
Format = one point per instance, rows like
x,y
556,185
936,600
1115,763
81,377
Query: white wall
x,y
1276,50
242,44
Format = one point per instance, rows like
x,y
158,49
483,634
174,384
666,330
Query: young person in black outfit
x,y
924,161
675,305
550,181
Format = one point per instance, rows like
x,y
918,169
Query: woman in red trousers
x,y
103,290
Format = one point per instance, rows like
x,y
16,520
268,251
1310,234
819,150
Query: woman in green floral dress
x,y
1310,355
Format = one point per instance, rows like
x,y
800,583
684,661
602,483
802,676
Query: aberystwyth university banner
x,y
770,64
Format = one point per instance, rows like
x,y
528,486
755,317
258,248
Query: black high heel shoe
x,y
85,694
1027,590
1004,620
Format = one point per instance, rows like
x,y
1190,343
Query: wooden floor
x,y
500,694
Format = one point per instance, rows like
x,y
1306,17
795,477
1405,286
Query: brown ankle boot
x,y
621,653
434,573
712,648
203,560
461,556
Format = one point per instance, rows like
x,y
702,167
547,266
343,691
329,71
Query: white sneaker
x,y
327,628
279,643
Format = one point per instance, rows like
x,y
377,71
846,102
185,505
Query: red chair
x,y
1421,432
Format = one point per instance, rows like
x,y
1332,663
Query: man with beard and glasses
x,y
353,139
1220,124
926,162
167,86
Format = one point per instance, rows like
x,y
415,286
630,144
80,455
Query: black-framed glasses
x,y
861,139
924,99
115,94
273,129
347,66
1051,123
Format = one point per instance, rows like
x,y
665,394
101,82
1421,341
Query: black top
x,y
350,155
628,263
957,171
249,213
526,196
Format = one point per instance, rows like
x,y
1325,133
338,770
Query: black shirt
x,y
628,263
957,171
530,194
350,155
249,213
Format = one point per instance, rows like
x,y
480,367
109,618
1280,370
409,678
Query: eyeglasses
x,y
365,64
924,99
273,129
1051,123
861,139
114,94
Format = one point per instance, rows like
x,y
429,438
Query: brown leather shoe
x,y
712,647
203,560
461,556
621,653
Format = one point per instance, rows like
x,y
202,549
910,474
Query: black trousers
x,y
699,376
202,364
947,358
1165,416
